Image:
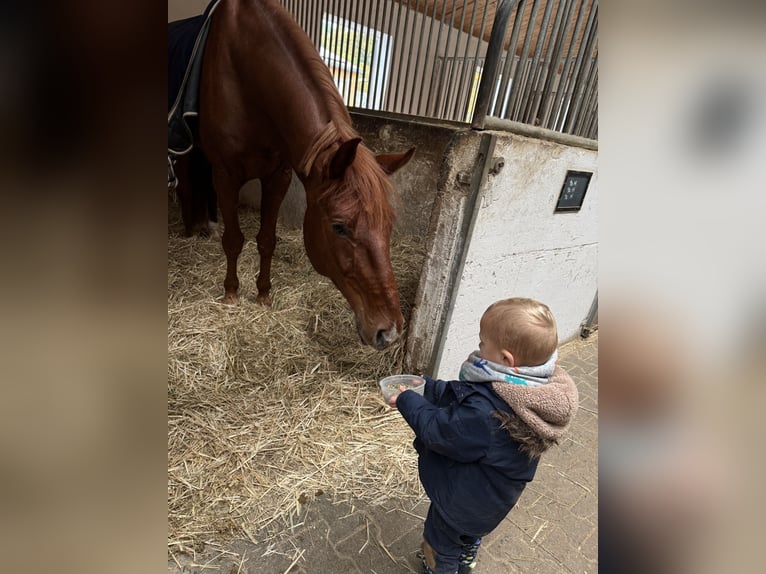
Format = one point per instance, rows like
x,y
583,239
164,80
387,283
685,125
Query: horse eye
x,y
340,229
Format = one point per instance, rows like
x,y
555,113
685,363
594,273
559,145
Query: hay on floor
x,y
270,407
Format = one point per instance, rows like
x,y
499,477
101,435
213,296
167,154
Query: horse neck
x,y
294,86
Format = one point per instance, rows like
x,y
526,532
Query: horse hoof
x,y
230,299
264,300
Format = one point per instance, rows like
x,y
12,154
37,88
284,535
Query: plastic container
x,y
390,385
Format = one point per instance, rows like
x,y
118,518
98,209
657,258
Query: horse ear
x,y
391,162
344,157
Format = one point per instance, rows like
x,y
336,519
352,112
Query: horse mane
x,y
364,186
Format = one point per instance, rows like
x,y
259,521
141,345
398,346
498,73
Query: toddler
x,y
479,439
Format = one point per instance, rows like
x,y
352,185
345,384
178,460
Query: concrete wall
x,y
416,182
520,247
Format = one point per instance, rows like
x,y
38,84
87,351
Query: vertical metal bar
x,y
393,59
499,109
523,60
551,45
454,85
427,57
410,16
494,50
431,101
479,41
333,35
316,14
440,94
571,92
404,52
584,61
541,37
587,101
557,111
418,72
379,35
460,110
586,328
539,71
356,42
545,109
563,76
593,130
448,87
588,124
343,56
363,41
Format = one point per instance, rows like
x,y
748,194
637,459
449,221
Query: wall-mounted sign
x,y
573,191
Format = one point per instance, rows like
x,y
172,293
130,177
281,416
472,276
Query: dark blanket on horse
x,y
186,46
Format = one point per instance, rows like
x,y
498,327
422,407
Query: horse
x,y
268,108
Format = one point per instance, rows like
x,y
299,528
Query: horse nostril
x,y
383,338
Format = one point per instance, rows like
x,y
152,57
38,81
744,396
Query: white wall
x,y
520,247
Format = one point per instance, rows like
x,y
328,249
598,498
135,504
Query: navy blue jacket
x,y
471,469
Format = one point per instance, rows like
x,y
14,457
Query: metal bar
x,y
587,102
457,115
500,107
539,133
572,85
427,57
564,78
421,75
356,50
582,71
401,54
366,78
479,41
449,87
546,62
332,35
451,116
494,50
430,101
379,80
345,38
409,13
545,108
594,120
520,73
528,87
586,328
441,94
316,14
593,130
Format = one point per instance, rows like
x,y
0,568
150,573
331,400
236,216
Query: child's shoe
x,y
467,560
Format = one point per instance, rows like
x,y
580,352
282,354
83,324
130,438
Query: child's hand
x,y
392,400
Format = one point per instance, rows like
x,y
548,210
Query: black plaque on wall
x,y
573,191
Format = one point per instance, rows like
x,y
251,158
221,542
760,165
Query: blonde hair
x,y
524,327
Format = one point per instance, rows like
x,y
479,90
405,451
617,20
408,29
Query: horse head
x,y
347,233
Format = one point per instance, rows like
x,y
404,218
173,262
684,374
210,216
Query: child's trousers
x,y
446,544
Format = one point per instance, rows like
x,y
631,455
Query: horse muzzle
x,y
379,337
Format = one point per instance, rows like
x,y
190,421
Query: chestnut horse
x,y
268,107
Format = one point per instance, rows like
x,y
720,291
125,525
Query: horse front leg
x,y
273,190
233,239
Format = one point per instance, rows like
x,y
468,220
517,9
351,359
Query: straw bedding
x,y
270,407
